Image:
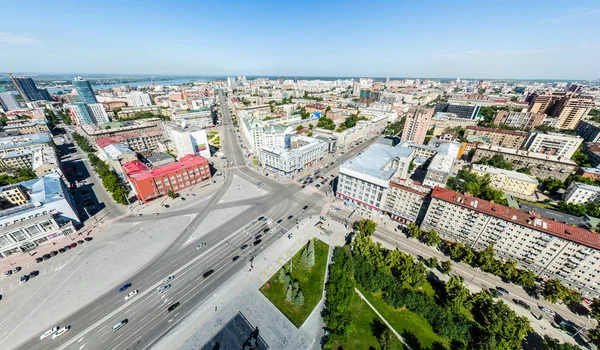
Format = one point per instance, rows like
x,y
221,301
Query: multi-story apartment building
x,y
138,99
253,129
24,142
541,165
198,119
442,121
416,125
40,210
8,102
461,111
580,193
42,160
592,150
552,143
440,166
27,126
364,180
567,108
128,112
88,113
507,180
549,248
499,137
84,90
406,202
287,161
140,142
28,90
152,183
522,120
589,130
125,128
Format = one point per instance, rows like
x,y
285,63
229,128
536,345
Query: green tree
x,y
299,299
555,344
289,293
386,339
431,238
433,262
308,254
594,335
525,278
310,126
171,194
554,291
339,292
446,266
413,230
299,127
456,293
365,226
287,280
486,260
281,275
524,171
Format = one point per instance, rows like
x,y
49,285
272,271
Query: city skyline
x,y
500,41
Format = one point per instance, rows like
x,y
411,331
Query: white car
x,y
170,278
164,288
131,295
48,333
61,332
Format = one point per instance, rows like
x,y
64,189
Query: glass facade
x,y
85,91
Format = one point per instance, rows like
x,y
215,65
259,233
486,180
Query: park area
x,y
309,280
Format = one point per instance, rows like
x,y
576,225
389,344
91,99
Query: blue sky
x,y
488,39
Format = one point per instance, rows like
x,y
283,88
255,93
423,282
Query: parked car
x,y
8,273
66,247
53,253
290,217
258,236
244,247
235,258
39,260
502,290
88,239
266,230
17,269
24,279
46,256
33,274
73,245
305,207
61,250
131,294
257,242
522,303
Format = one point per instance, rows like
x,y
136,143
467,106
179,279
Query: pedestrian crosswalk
x,y
110,221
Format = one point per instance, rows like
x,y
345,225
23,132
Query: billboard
x,y
200,143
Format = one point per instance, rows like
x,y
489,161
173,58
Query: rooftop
x,y
24,140
138,171
527,154
586,186
43,190
117,149
527,219
374,161
496,130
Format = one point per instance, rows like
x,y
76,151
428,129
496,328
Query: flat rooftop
x,y
373,161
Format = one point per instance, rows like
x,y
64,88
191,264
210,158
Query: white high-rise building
x,y
138,99
97,112
8,102
231,82
88,114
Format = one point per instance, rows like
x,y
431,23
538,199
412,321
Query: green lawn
x,y
405,321
361,333
211,134
310,280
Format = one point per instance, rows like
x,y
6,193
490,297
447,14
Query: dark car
x,y
494,293
290,217
257,236
305,207
61,250
17,269
522,303
24,279
208,273
317,186
53,253
235,258
167,206
125,286
73,245
88,238
261,218
257,242
502,290
266,230
182,198
173,307
46,256
80,241
66,247
39,260
279,221
8,273
244,247
33,274
303,186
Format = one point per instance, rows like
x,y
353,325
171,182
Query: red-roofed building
x,y
149,183
549,248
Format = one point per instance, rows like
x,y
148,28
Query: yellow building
x,y
507,180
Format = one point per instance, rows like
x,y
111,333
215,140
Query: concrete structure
x,y
27,126
589,130
128,112
567,108
552,143
521,120
304,152
42,210
116,155
160,159
24,142
152,183
440,166
507,180
197,119
499,137
406,202
364,180
141,142
461,111
541,165
187,140
580,193
442,121
28,90
84,90
138,99
547,247
416,125
8,102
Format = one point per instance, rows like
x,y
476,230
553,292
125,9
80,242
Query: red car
x,y
73,245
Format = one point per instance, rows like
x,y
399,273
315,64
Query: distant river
x,y
137,83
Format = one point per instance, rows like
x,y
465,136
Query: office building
x,y
88,114
580,193
406,202
84,90
302,152
37,211
41,160
28,90
521,120
507,180
461,111
231,82
152,183
116,155
416,125
139,99
187,140
442,121
440,166
567,108
364,180
540,165
549,248
552,143
589,130
26,126
499,137
8,102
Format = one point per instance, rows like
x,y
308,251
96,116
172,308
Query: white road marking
x,y
82,347
80,340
